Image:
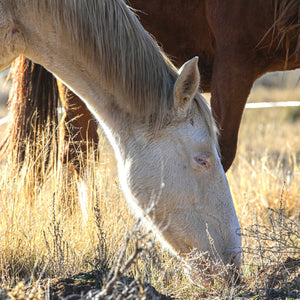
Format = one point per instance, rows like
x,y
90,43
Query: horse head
x,y
175,175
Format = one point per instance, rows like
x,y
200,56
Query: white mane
x,y
128,57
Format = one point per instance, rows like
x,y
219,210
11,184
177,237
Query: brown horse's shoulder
x,y
181,28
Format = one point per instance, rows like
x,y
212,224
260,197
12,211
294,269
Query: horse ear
x,y
186,85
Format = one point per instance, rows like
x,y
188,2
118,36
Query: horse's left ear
x,y
186,85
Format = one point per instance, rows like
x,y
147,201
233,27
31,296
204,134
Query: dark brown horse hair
x,y
286,20
32,104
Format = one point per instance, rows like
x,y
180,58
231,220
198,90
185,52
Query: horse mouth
x,y
236,258
204,271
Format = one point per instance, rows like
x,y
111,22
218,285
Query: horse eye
x,y
202,161
199,160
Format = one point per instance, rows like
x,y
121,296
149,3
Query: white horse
x,y
160,128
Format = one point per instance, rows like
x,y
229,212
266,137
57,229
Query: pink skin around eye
x,y
202,161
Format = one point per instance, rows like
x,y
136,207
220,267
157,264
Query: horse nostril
x,y
233,276
236,259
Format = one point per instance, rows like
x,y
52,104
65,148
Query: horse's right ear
x,y
186,85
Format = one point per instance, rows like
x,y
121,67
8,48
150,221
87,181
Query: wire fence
x,y
273,104
248,106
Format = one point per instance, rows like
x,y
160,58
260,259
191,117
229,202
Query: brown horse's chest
x,y
181,28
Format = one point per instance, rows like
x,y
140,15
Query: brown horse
x,y
237,41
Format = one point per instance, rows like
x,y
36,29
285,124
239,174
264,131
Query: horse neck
x,y
114,85
109,47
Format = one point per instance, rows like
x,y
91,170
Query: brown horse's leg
x,y
79,131
236,67
231,84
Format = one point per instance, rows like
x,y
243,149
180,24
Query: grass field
x,y
48,232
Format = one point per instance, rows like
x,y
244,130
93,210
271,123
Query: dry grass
x,y
279,86
47,232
